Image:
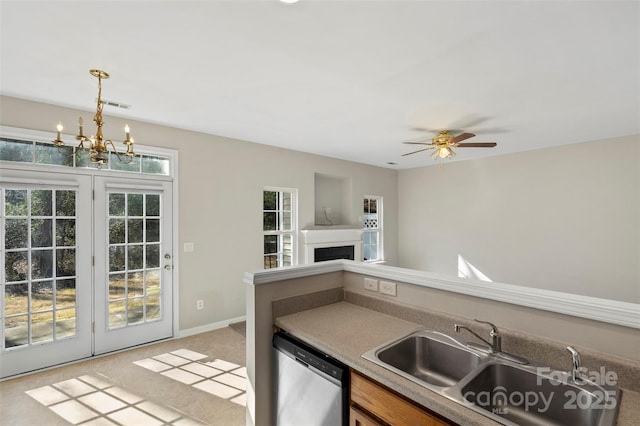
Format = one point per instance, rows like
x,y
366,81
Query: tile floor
x,y
196,380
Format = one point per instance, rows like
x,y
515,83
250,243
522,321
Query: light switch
x,y
188,246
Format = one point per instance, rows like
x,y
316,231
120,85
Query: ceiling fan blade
x,y
462,137
420,150
418,143
477,145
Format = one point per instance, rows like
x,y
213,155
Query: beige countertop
x,y
345,331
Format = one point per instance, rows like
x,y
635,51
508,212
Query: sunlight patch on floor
x,y
220,378
89,400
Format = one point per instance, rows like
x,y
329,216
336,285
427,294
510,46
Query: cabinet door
x,y
359,418
389,407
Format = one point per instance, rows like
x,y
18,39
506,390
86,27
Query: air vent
x,y
115,104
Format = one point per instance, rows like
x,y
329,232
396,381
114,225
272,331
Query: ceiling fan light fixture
x,y
445,152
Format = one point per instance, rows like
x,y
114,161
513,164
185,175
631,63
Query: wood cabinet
x,y
372,404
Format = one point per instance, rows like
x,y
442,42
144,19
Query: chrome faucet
x,y
496,339
576,373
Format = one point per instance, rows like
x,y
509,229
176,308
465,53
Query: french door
x,y
85,266
134,264
46,270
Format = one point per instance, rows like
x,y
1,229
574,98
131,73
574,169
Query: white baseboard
x,y
210,327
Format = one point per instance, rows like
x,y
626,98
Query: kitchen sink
x,y
510,392
525,397
427,357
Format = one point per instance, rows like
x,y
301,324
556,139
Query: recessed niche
x,y
332,200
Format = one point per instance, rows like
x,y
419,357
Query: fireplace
x,y
323,243
322,254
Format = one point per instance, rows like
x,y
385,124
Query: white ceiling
x,y
345,79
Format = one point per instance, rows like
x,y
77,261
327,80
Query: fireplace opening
x,y
332,253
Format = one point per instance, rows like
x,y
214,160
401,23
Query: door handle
x,y
167,267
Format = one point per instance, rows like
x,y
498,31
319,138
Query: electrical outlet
x,y
188,246
370,284
387,287
200,304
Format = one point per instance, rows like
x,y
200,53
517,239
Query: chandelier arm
x,y
128,158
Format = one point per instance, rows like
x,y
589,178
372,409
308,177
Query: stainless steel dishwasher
x,y
311,388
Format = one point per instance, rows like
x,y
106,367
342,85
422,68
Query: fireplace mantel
x,y
331,236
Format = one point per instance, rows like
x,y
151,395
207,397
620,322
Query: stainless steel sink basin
x,y
495,386
427,357
524,397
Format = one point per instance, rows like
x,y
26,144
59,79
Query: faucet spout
x,y
496,339
458,327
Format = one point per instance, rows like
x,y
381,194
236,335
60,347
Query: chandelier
x,y
97,146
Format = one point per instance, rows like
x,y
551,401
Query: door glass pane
x,y
65,203
16,233
42,296
65,293
116,231
153,256
41,202
116,286
135,284
41,232
116,204
65,262
152,205
134,204
65,323
134,253
116,258
134,231
16,266
40,265
16,331
42,326
134,257
65,232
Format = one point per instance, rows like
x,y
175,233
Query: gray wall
x,y
221,182
564,218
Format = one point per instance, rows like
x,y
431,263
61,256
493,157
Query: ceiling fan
x,y
444,141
